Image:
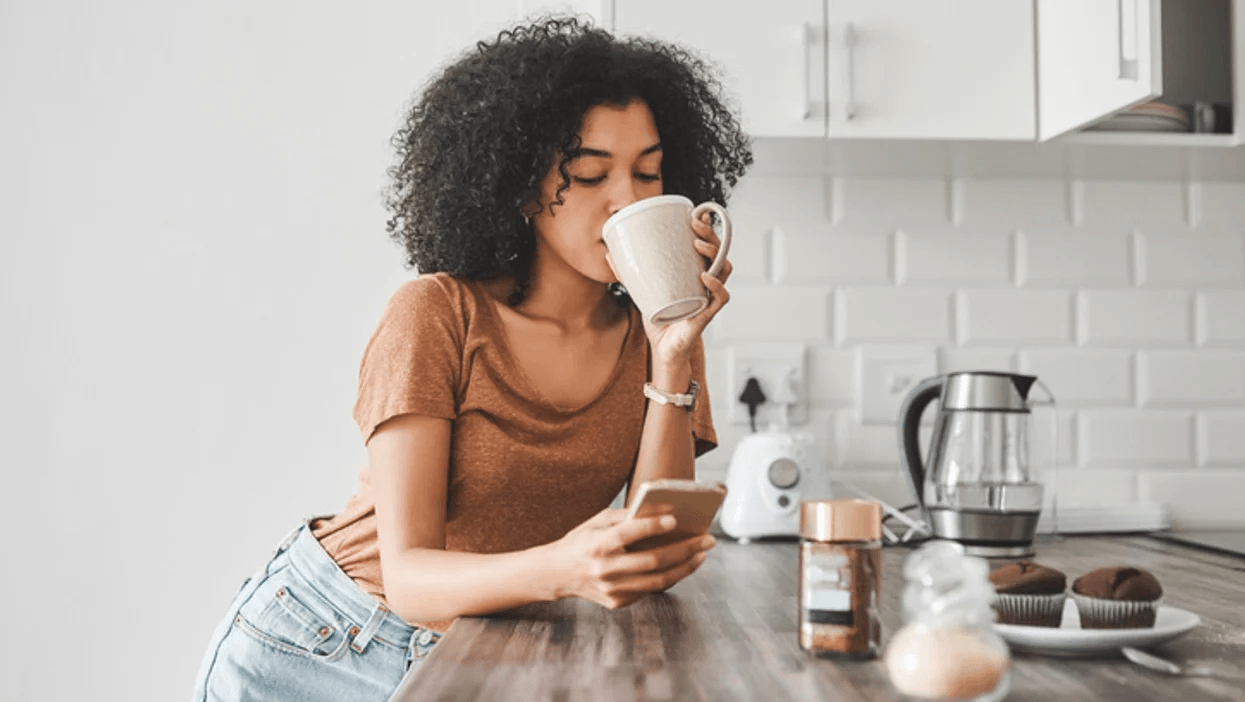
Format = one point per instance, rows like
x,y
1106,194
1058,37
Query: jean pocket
x,y
278,615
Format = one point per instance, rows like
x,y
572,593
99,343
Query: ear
x,y
530,209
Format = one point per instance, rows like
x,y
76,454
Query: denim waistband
x,y
310,559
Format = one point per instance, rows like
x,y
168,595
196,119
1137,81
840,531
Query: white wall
x,y
192,256
1126,298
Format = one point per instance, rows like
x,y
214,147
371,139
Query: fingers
x,y
658,559
656,581
629,531
710,251
718,297
704,229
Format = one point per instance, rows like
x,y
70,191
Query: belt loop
x,y
287,541
364,637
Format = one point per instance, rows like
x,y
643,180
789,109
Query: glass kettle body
x,y
976,487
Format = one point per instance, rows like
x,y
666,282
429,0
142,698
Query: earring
x,y
526,220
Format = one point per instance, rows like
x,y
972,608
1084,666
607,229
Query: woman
x,y
501,397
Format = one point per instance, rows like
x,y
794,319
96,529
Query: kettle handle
x,y
910,412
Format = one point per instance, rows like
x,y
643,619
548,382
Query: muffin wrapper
x,y
1098,613
1029,610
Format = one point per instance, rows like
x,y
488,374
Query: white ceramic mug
x,y
651,244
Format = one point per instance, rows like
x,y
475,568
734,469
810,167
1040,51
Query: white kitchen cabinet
x,y
957,70
773,55
1095,58
862,68
931,69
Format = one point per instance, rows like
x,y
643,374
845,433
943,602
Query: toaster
x,y
769,474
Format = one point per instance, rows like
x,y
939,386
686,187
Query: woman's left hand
x,y
674,342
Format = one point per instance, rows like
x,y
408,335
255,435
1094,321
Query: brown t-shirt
x,y
522,471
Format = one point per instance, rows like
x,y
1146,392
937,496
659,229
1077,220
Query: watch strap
x,y
662,397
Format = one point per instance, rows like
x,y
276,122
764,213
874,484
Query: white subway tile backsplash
x,y
1080,258
816,254
1086,487
1135,438
1193,260
871,446
774,314
947,257
1221,438
1011,202
1015,316
832,376
1223,207
1115,206
1221,317
1201,498
952,359
1099,288
891,486
1192,378
1083,377
882,205
770,200
750,253
895,314
1115,317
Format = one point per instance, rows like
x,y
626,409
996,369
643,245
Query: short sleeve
x,y
413,362
702,417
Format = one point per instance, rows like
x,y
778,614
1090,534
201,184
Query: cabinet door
x,y
773,56
931,69
1095,58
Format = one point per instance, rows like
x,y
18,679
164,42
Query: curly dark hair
x,y
478,141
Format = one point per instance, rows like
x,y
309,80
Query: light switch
x,y
887,374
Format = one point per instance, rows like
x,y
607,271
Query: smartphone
x,y
694,505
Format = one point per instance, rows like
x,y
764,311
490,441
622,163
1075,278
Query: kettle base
x,y
984,532
999,551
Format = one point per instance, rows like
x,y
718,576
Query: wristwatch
x,y
661,397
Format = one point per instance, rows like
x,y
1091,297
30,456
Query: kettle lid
x,y
987,390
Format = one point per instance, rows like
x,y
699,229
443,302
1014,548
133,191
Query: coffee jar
x,y
840,577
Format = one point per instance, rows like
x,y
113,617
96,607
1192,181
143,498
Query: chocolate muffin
x,y
1028,594
1119,597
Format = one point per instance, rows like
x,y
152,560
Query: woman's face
x,y
619,162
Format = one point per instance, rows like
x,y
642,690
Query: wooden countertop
x,y
729,633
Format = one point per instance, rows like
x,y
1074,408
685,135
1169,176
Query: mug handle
x,y
724,234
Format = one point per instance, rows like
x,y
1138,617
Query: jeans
x,y
301,630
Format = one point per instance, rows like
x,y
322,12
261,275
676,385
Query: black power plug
x,y
752,396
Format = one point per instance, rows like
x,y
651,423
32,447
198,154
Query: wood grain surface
x,y
729,633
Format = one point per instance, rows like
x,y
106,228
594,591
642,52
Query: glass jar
x,y
840,577
947,648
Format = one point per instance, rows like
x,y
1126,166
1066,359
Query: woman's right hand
x,y
592,560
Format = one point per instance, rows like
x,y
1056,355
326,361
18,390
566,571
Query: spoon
x,y
1163,665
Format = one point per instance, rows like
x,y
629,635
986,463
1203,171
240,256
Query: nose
x,y
623,194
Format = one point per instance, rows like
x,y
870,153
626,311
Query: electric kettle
x,y
977,487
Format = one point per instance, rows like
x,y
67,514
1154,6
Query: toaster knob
x,y
784,473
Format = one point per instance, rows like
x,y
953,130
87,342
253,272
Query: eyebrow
x,y
605,154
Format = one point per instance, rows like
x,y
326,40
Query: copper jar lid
x,y
841,520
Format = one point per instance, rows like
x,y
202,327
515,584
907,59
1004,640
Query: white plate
x,y
1071,640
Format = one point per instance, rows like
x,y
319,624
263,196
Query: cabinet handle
x,y
1128,67
849,40
806,41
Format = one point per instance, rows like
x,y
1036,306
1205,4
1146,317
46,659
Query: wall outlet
x,y
780,369
887,375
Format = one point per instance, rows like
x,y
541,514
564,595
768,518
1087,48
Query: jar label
x,y
827,590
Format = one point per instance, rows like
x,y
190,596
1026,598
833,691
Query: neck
x,y
559,294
